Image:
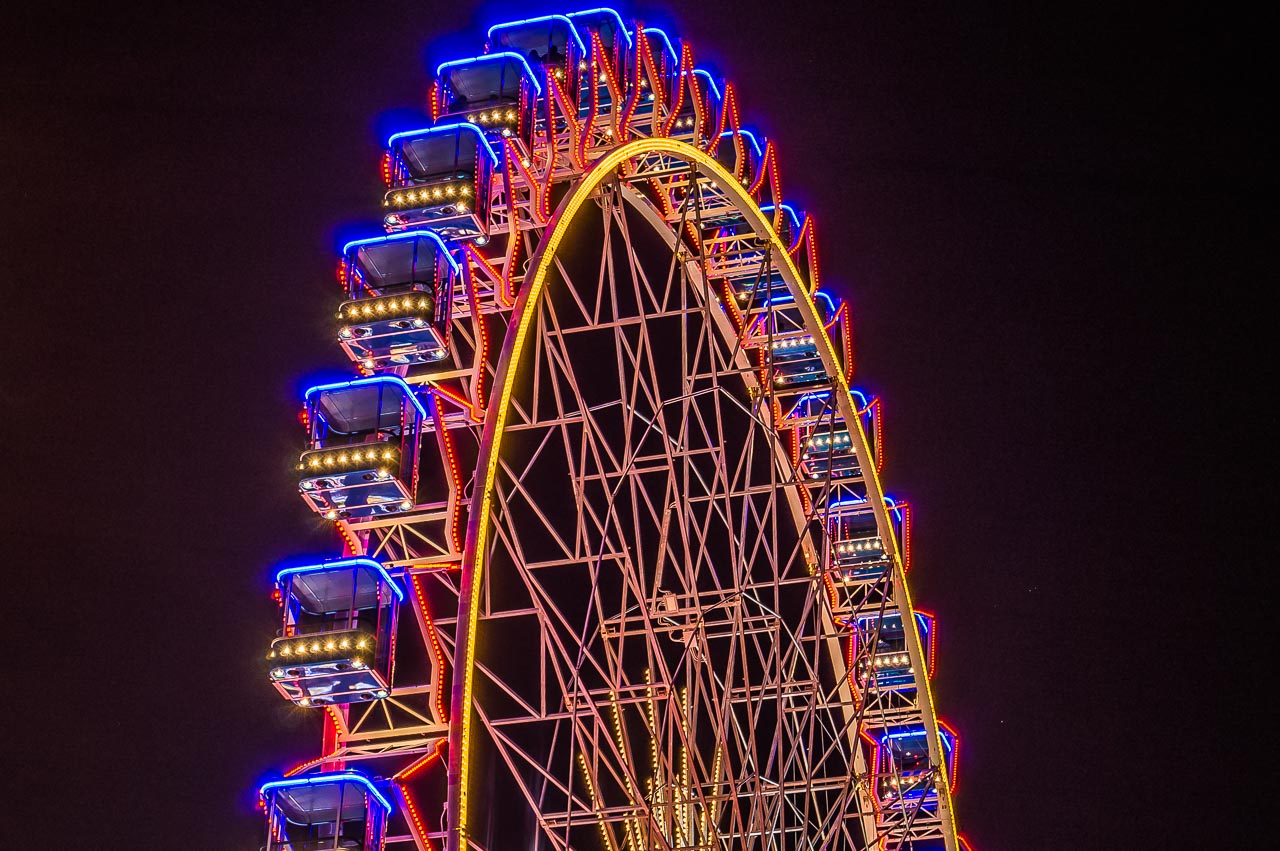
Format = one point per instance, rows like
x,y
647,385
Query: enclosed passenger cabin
x,y
685,124
550,43
336,641
791,352
880,646
794,361
904,775
788,222
440,177
399,290
795,231
324,812
616,41
855,549
824,444
666,62
362,459
740,152
856,552
496,92
739,255
827,452
809,409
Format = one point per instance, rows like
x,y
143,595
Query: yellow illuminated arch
x,y
495,424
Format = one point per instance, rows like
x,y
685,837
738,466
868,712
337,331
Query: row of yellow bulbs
x,y
864,545
793,342
497,116
907,780
889,661
431,194
367,308
357,456
332,645
840,439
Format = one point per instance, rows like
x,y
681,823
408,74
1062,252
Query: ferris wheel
x,y
618,571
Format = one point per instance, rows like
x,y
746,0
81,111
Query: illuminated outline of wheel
x,y
698,813
674,612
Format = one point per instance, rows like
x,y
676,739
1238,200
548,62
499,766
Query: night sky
x,y
1042,215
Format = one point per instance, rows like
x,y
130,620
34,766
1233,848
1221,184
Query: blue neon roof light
x,y
670,50
622,27
786,208
947,737
427,131
349,776
386,379
710,81
396,237
826,394
755,143
572,29
342,564
506,54
925,621
889,503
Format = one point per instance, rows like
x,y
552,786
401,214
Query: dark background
x,y
1042,213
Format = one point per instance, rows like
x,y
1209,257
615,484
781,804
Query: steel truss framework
x,y
631,624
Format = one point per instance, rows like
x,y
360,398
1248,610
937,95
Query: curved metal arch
x,y
514,342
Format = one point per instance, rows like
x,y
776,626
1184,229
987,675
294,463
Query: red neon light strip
x,y
435,643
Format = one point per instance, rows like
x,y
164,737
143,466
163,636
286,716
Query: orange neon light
x,y
436,649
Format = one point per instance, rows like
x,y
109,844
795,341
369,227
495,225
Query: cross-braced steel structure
x,y
619,571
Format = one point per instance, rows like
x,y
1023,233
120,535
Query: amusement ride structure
x,y
618,572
